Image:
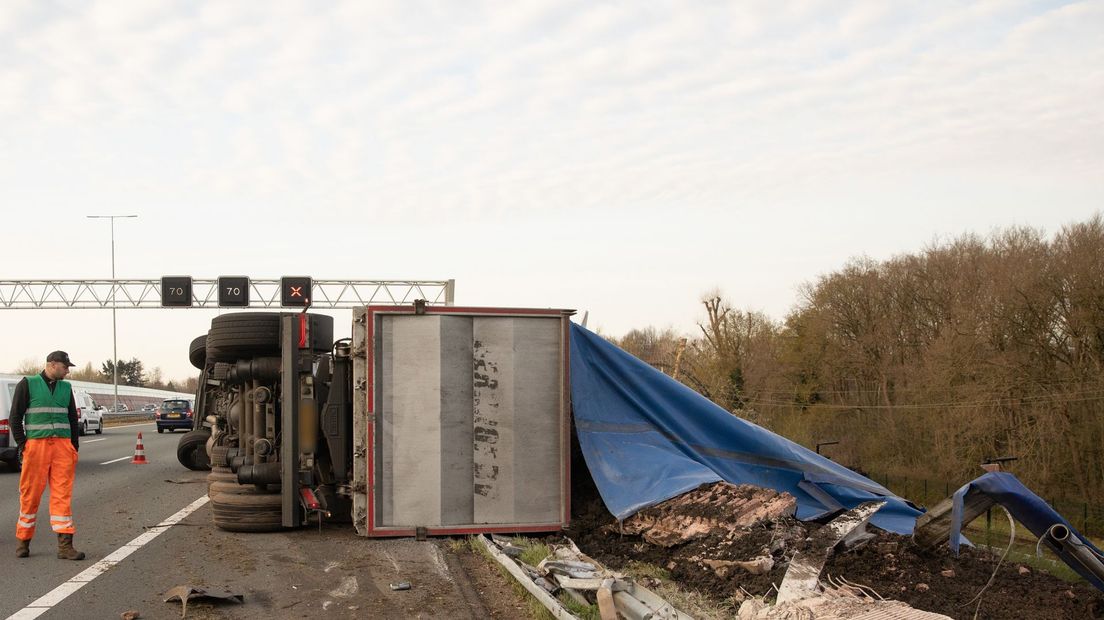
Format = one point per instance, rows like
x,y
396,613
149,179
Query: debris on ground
x,y
802,578
833,604
187,593
715,564
567,572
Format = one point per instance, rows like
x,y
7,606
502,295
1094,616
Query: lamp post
x,y
114,336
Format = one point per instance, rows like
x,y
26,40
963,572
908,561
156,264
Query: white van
x,y
9,453
88,417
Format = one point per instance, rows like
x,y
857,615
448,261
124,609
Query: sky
x,y
618,158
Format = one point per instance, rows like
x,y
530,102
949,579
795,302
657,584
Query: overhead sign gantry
x,y
222,292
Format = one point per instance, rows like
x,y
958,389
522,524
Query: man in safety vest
x,y
43,423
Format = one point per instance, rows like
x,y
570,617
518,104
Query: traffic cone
x,y
139,452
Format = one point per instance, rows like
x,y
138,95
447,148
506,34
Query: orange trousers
x,y
51,460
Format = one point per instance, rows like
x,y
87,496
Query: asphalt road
x,y
297,573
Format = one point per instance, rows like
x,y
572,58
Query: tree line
x,y
131,372
926,364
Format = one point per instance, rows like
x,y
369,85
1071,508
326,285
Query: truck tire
x,y
197,352
247,513
219,475
191,450
231,487
244,335
218,456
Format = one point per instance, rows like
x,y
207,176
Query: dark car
x,y
174,414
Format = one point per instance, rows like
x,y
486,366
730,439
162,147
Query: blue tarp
x,y
647,438
1025,507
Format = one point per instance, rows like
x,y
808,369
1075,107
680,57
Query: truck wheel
x,y
219,475
230,486
255,334
218,456
83,430
247,513
191,450
197,352
99,429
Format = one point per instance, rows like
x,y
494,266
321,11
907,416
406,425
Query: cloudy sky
x,y
620,158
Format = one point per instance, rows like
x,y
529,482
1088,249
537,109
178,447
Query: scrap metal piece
x,y
550,602
606,607
640,603
402,585
803,575
186,593
632,600
568,568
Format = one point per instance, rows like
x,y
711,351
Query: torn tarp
x,y
647,438
1027,508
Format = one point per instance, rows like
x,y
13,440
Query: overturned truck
x,y
429,420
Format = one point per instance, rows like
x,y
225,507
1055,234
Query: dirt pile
x,y
721,509
714,548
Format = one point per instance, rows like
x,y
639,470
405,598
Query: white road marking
x,y
116,460
94,440
58,594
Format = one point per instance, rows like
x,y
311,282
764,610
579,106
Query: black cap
x,y
60,356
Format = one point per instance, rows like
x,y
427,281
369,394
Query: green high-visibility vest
x,y
48,414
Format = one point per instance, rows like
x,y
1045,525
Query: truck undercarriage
x,y
273,420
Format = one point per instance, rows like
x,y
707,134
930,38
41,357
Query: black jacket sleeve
x,y
74,425
21,399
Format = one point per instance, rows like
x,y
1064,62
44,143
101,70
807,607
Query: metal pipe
x,y
246,440
258,417
1063,539
258,369
259,473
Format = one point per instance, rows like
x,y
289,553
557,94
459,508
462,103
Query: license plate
x,y
174,416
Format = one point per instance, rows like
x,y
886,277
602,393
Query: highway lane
x,y
112,504
294,573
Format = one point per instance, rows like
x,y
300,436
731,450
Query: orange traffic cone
x,y
139,452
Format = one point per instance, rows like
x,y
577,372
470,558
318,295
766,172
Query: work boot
x,y
24,549
66,550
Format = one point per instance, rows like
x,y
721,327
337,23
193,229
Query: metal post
x,y
114,324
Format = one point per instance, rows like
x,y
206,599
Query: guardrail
x,y
121,417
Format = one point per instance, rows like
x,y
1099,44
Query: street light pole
x,y
114,331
